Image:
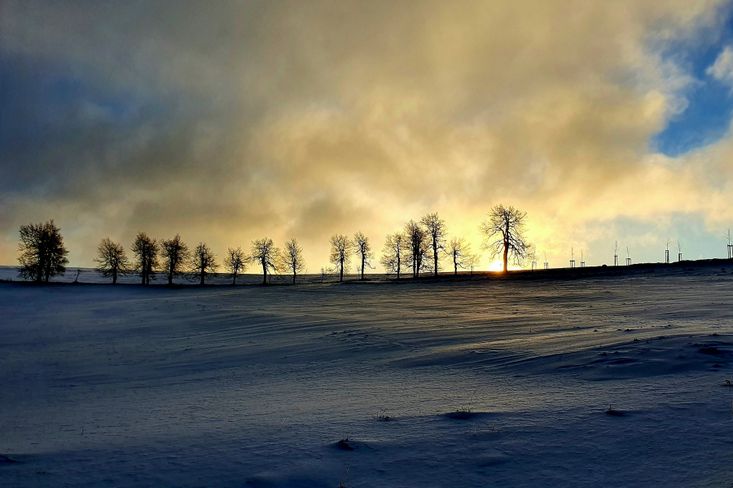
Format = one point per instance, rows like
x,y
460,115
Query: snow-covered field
x,y
252,386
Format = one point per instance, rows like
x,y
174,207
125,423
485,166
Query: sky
x,y
226,122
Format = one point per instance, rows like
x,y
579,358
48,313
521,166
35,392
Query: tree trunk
x,y
341,270
435,257
114,276
264,273
506,254
293,277
234,278
506,243
202,277
363,259
398,266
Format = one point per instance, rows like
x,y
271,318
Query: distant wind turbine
x,y
679,252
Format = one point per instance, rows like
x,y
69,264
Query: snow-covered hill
x,y
472,384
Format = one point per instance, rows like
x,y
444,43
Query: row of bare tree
x,y
418,248
174,258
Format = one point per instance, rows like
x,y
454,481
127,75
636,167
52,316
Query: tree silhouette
x,y
203,262
361,243
145,249
266,254
112,259
435,228
472,261
460,253
394,247
235,262
175,254
507,225
341,248
417,246
42,251
293,258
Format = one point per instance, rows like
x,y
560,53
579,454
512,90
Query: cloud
x,y
722,68
236,120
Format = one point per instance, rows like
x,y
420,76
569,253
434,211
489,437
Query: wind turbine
x,y
730,247
615,254
679,252
628,257
547,264
572,257
582,261
666,253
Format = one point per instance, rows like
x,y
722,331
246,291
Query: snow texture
x,y
474,384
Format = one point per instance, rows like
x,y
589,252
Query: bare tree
x,y
112,259
203,262
435,228
417,246
266,254
364,249
394,247
506,227
145,249
472,261
341,248
175,254
235,262
293,258
42,251
460,252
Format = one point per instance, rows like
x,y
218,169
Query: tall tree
x,y
175,254
111,259
504,234
203,262
42,254
341,248
266,254
435,228
417,246
460,253
145,249
394,247
293,258
235,262
364,250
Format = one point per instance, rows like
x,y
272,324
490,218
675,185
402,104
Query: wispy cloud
x,y
722,68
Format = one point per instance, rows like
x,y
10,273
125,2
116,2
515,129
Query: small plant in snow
x,y
613,412
462,413
383,417
344,445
